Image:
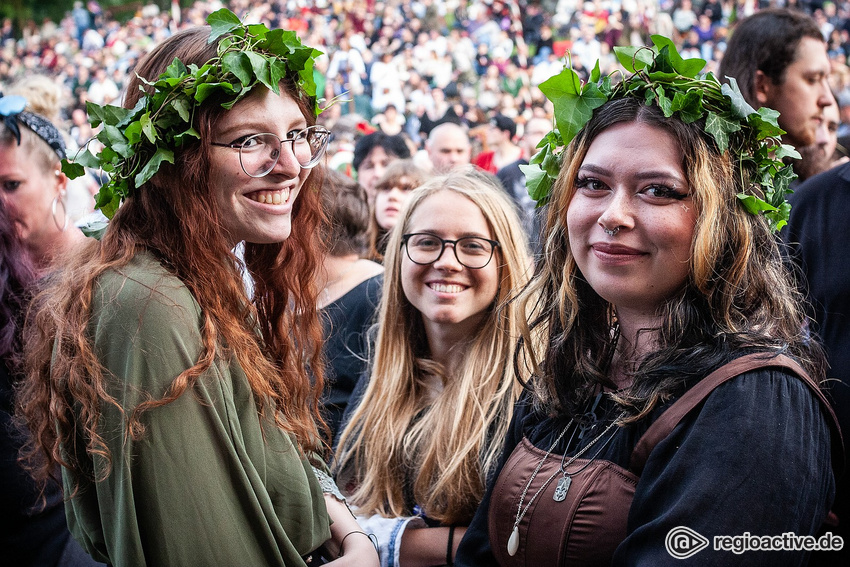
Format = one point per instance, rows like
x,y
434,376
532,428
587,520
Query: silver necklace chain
x,y
560,493
520,513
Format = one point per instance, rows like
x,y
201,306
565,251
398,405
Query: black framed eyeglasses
x,y
473,252
259,153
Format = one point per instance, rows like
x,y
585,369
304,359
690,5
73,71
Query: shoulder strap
x,y
696,395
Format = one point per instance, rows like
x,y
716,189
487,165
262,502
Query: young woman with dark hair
x,y
676,392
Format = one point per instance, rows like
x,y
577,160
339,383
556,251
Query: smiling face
x,y
452,299
257,210
632,183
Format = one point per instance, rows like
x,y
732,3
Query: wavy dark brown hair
x,y
175,218
739,294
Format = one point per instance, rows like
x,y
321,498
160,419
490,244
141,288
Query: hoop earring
x,y
63,226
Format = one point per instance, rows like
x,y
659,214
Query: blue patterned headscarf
x,y
12,112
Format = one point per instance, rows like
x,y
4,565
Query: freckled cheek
x,y
580,219
676,237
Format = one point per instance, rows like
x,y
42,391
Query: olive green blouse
x,y
207,484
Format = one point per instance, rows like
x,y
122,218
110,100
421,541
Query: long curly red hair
x,y
174,217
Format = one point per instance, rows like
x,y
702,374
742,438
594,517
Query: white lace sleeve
x,y
328,485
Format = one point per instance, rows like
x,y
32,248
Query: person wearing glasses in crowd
x,y
180,408
416,451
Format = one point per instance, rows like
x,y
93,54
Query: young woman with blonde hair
x,y
417,450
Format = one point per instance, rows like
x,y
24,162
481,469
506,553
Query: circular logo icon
x,y
683,542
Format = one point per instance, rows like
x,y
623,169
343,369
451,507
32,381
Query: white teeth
x,y
446,288
270,197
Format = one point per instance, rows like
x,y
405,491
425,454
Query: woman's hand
x,y
349,543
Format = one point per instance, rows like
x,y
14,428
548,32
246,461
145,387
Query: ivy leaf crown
x,y
137,141
659,75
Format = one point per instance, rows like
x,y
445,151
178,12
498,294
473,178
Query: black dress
x,y
346,323
820,209
755,457
30,534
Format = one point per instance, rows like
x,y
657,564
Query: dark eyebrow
x,y
440,234
641,175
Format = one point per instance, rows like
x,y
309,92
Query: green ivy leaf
x,y
596,73
132,114
753,204
537,183
206,89
86,159
176,70
720,128
573,105
72,170
222,21
664,103
150,168
258,30
237,62
277,71
107,113
688,105
148,128
190,133
765,123
133,132
260,65
740,106
786,151
688,67
107,200
634,58
181,105
94,229
662,61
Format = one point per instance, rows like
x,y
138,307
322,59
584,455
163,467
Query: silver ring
x,y
610,232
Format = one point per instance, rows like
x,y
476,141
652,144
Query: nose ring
x,y
610,232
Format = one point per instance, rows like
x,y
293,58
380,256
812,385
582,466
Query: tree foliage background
x,y
23,10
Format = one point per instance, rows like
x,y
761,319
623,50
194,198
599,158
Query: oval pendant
x,y
513,542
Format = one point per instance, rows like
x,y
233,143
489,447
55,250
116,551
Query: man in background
x,y
448,147
778,58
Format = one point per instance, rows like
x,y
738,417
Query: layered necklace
x,y
566,477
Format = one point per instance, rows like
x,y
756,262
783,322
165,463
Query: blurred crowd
x,y
404,65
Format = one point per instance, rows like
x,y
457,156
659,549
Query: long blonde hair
x,y
448,447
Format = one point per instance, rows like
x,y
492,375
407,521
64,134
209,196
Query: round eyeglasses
x,y
259,153
473,252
